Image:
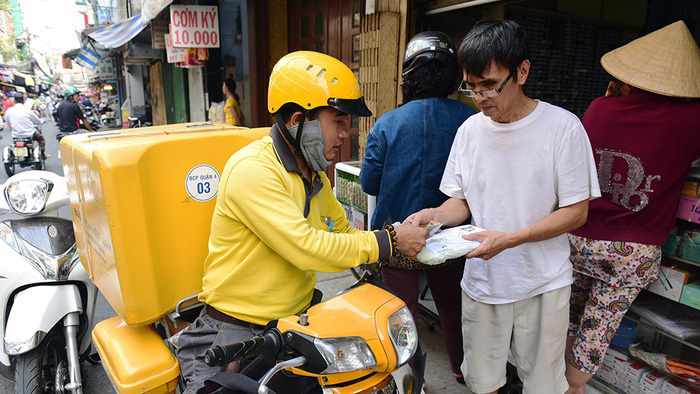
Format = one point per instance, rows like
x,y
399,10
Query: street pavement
x,y
438,376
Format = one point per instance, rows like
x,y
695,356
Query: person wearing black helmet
x,y
404,159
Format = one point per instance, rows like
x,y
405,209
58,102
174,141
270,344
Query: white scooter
x,y
47,301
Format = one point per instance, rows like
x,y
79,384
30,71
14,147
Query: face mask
x,y
312,145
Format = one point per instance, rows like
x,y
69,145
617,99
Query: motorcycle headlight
x,y
345,354
28,196
8,236
404,335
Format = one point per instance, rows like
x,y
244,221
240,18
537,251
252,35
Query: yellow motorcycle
x,y
141,203
351,344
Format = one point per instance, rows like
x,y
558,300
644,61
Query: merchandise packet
x,y
447,244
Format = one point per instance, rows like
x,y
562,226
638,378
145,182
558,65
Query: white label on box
x,y
670,283
202,182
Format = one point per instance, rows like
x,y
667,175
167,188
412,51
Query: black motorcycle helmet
x,y
428,46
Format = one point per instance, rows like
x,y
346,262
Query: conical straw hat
x,y
665,62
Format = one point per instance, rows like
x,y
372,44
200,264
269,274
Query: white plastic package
x,y
448,244
217,112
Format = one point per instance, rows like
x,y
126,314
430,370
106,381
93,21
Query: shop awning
x,y
28,79
118,34
17,88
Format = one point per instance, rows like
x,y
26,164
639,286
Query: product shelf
x,y
603,387
662,332
668,375
681,260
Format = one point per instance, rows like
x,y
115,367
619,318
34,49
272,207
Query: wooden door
x,y
331,27
158,104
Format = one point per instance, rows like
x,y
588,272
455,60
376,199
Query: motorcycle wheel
x,y
42,370
10,169
40,165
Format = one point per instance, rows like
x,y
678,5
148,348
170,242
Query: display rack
x,y
359,206
662,332
680,260
654,337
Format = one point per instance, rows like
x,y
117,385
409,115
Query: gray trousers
x,y
194,341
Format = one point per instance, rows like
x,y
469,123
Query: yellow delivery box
x,y
142,202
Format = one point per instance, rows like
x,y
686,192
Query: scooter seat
x,y
136,359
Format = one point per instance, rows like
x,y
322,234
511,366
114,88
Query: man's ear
x,y
295,119
523,72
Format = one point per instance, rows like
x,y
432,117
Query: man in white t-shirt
x,y
524,171
23,122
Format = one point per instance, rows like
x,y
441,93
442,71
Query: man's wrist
x,y
514,239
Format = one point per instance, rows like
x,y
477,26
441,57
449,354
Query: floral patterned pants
x,y
608,276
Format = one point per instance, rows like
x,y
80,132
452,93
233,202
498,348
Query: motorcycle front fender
x,y
35,312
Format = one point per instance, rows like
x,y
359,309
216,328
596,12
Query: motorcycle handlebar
x,y
270,343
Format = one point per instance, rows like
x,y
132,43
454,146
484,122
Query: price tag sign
x,y
175,55
689,209
202,182
194,26
356,218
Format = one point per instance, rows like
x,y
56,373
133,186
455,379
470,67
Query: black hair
x,y
289,109
231,86
503,42
19,99
433,75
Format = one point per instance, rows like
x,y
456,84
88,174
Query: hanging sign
x,y
159,28
106,69
194,26
175,55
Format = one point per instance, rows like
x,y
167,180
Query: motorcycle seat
x,y
136,359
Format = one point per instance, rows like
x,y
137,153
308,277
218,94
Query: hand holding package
x,y
448,244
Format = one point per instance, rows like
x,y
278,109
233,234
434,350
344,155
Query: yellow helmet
x,y
312,80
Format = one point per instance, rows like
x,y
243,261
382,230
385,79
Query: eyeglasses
x,y
484,93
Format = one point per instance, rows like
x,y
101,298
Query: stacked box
x,y
652,382
606,374
633,375
691,295
673,387
670,283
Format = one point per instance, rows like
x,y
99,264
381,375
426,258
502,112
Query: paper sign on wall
x,y
159,28
175,55
194,26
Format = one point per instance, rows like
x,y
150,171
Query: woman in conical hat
x,y
645,133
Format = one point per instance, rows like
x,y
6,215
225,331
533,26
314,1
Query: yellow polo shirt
x,y
270,234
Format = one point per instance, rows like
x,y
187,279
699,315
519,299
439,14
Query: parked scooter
x,y
23,152
140,121
47,301
107,115
92,116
